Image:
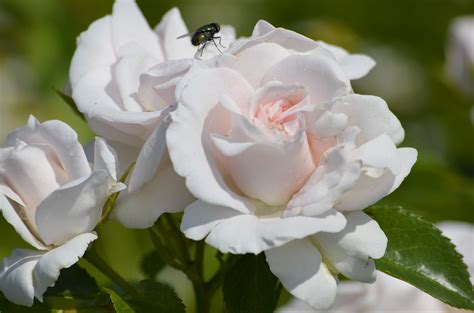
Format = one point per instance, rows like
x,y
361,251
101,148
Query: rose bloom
x,y
122,78
389,294
460,54
53,198
283,156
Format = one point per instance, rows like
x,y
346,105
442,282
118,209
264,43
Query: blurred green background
x,y
407,39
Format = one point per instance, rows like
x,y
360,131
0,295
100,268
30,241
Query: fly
x,y
204,35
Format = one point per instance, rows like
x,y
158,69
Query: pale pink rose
x,y
460,54
389,294
53,198
123,77
282,157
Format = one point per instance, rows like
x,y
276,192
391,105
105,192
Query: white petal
x,y
261,28
127,77
335,175
253,62
166,192
16,276
349,250
299,267
356,65
103,114
256,234
169,29
47,270
73,209
158,84
94,50
266,171
371,115
125,154
320,75
148,159
33,172
13,218
408,158
61,137
328,124
266,33
105,158
200,218
379,152
188,136
130,26
368,189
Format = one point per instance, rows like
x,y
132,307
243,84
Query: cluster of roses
x,y
265,147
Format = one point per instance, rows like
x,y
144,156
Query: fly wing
x,y
186,35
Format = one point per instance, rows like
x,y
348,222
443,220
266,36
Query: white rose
x,y
389,294
123,77
53,198
282,156
123,73
460,54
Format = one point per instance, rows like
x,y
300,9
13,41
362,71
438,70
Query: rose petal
x,y
336,174
169,29
130,26
61,137
254,62
379,152
47,270
105,118
261,28
350,249
33,172
105,158
16,276
127,77
372,116
73,209
188,135
321,76
266,171
14,219
94,50
368,189
255,234
283,37
299,266
148,159
200,218
354,65
166,192
158,84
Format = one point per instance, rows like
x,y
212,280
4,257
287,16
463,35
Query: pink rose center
x,y
278,116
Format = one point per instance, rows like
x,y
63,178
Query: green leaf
x,y
250,286
419,254
75,289
151,264
74,282
157,297
71,103
120,305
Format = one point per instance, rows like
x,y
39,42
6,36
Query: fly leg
x,y
220,41
216,45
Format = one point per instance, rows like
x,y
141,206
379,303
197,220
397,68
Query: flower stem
x,y
97,261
